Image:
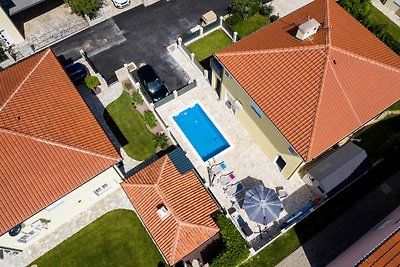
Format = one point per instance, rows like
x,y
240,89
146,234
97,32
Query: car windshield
x,y
154,85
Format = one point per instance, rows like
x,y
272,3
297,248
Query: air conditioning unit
x,y
228,103
236,105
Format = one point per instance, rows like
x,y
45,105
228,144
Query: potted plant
x,y
93,82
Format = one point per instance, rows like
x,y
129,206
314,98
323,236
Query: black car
x,y
77,72
152,83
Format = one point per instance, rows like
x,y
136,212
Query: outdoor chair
x,y
234,189
242,224
281,192
215,170
225,179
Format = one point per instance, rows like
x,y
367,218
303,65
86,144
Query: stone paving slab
x,y
244,157
284,7
115,200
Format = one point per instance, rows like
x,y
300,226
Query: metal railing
x,y
187,88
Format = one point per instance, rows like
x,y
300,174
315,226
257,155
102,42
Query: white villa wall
x,y
72,204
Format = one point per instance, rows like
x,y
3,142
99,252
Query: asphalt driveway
x,y
147,31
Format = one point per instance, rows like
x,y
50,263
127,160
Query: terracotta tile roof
x,y
189,224
50,142
316,91
387,254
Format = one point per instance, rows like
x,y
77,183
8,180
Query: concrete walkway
x,y
284,7
388,13
115,200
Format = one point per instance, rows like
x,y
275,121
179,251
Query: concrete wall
x,y
368,241
391,5
261,129
70,206
7,25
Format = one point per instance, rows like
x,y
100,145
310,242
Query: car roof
x,y
147,73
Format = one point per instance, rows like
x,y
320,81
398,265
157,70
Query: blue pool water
x,y
201,132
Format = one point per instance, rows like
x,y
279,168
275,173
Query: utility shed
x,y
337,170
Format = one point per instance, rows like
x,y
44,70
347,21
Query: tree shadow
x,y
114,128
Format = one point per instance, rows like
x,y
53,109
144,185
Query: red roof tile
x,y
189,224
387,254
320,90
50,142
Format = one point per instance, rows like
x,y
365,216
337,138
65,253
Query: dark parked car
x,y
152,83
77,72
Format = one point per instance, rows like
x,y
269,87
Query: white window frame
x,y
257,109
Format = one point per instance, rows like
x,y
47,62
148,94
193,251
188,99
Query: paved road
x,y
148,31
362,215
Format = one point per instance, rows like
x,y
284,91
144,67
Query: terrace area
x,y
243,158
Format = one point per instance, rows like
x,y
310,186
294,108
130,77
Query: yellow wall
x,y
7,25
261,129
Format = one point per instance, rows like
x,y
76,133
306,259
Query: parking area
x,y
147,31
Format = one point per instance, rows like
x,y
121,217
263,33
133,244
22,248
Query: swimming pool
x,y
201,132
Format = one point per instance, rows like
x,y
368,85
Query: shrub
x,y
84,7
150,119
273,18
246,8
161,140
92,81
127,85
137,98
236,248
234,19
358,8
266,10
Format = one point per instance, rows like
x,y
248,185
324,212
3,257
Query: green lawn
x,y
210,44
116,239
379,18
276,251
395,106
252,24
130,129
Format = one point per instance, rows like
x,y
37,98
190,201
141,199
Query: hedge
x,y
236,248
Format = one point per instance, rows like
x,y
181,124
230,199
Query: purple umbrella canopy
x,y
262,204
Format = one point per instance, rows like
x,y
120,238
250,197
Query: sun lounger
x,y
234,189
242,224
226,179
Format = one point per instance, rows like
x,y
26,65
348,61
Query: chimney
x,y
162,211
307,29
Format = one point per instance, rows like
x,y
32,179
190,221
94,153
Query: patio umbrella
x,y
262,204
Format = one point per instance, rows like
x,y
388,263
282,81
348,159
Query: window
x,y
292,151
280,162
256,109
102,189
54,205
321,189
228,75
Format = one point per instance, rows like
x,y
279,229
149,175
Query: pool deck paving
x,y
244,157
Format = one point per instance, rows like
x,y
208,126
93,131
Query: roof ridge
x,y
369,60
161,171
195,225
315,113
272,50
327,20
176,239
26,78
56,143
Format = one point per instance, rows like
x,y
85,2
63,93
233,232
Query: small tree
x,y
161,140
266,10
84,7
245,8
150,119
273,18
92,82
137,98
